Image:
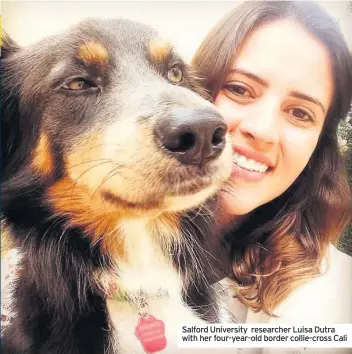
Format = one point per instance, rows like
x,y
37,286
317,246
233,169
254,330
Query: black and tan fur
x,y
90,197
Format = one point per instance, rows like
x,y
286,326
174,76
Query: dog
x,y
111,158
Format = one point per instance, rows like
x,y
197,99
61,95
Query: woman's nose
x,y
262,122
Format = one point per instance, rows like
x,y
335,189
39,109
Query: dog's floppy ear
x,y
9,111
8,45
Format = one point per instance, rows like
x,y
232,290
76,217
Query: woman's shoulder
x,y
337,259
324,299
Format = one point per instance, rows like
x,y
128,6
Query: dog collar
x,y
149,330
139,299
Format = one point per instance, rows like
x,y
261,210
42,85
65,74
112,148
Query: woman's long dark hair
x,y
282,243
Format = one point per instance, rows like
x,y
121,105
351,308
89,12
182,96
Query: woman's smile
x,y
250,165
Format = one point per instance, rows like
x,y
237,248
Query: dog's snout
x,y
193,136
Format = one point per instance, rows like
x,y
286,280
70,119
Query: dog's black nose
x,y
193,136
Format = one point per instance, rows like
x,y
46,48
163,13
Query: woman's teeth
x,y
249,164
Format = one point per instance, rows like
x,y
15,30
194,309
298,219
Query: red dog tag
x,y
151,333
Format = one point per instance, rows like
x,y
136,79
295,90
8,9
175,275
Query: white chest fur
x,y
147,268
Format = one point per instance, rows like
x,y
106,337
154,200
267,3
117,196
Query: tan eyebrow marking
x,y
159,50
93,53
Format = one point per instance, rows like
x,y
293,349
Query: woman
x,y
281,75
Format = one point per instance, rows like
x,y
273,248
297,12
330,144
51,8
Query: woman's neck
x,y
225,220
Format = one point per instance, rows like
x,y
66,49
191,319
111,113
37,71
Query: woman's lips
x,y
253,155
239,172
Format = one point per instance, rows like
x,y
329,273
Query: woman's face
x,y
274,100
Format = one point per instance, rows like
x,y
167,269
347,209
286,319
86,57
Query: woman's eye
x,y
239,90
301,114
78,84
175,75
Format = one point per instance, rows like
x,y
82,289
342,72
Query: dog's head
x,y
108,110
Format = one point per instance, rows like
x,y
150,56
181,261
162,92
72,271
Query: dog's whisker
x,y
91,147
91,161
110,174
75,181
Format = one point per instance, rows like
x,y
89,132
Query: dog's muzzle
x,y
192,136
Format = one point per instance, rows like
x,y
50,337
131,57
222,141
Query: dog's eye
x,y
175,75
77,84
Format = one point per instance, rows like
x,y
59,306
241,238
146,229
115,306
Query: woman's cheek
x,y
297,147
229,109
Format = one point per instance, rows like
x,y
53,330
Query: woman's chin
x,y
237,202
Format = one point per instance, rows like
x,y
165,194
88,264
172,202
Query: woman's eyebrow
x,y
263,82
305,97
249,75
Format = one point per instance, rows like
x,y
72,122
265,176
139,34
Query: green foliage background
x,y
345,134
345,138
